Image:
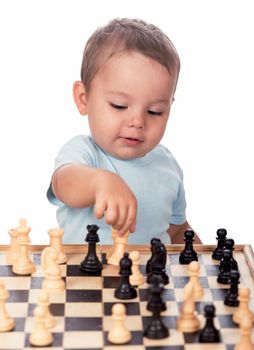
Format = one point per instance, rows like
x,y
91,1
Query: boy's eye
x,y
154,113
116,106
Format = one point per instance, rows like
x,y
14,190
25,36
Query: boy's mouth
x,y
131,141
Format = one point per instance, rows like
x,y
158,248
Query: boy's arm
x,y
81,186
176,233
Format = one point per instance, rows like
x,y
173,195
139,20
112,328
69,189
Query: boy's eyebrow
x,y
124,94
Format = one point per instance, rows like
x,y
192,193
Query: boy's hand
x,y
115,200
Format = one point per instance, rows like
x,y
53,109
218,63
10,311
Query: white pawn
x,y
136,279
53,280
55,235
119,334
40,335
13,252
23,265
243,308
114,234
188,321
194,271
119,249
6,322
44,302
245,342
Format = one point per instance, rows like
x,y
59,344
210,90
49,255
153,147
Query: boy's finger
x,y
99,209
112,213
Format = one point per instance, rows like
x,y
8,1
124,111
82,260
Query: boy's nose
x,y
137,121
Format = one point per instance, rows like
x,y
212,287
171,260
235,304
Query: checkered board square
x,y
83,310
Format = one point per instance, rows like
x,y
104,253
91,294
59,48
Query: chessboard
x,y
83,310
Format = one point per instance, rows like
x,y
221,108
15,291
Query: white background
x,y
211,125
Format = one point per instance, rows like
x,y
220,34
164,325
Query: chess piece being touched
x,y
119,248
52,271
40,335
114,234
118,333
7,323
221,237
91,265
188,254
23,265
56,235
209,334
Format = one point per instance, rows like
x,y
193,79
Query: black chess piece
x,y
230,245
156,328
221,237
225,267
156,296
158,264
153,242
231,298
209,334
125,290
91,265
188,254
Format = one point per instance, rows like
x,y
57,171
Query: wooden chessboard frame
x,y
246,249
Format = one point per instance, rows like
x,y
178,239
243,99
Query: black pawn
x,y
230,245
156,329
91,264
153,243
158,264
231,298
188,254
221,237
209,334
225,267
125,289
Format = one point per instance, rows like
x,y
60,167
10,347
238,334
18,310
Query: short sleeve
x,y
79,150
179,207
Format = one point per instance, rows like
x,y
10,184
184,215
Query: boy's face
x,y
128,105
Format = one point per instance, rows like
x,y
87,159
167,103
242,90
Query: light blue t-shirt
x,y
156,180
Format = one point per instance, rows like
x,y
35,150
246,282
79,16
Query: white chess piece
x,y
118,333
13,252
53,280
188,321
194,271
23,265
114,234
40,335
55,235
44,302
243,308
6,322
245,342
136,279
119,249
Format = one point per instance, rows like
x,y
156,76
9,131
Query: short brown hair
x,y
124,34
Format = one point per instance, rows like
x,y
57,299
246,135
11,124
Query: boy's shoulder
x,y
163,154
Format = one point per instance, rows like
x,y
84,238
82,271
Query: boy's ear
x,y
80,97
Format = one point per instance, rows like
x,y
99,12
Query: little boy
x,y
120,175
